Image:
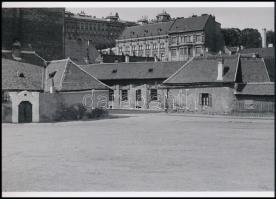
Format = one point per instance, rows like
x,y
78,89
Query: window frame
x,y
153,96
124,97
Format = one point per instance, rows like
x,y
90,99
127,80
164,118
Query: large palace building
x,y
37,29
84,34
172,39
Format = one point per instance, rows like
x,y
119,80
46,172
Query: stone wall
x,y
90,99
222,99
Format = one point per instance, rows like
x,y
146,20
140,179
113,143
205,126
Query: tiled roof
x,y
71,77
270,66
133,70
163,28
266,88
204,70
30,57
253,70
263,52
146,30
269,58
189,24
31,75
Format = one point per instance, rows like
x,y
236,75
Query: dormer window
x,y
114,71
20,74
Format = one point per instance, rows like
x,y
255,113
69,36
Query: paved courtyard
x,y
140,152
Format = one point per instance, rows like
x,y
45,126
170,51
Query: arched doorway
x,y
25,112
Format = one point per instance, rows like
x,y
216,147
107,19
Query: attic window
x,y
52,74
150,70
20,74
114,71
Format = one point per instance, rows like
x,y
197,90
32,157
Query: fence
x,y
253,108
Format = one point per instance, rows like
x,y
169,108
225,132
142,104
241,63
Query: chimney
x,y
16,50
220,69
263,38
126,58
52,90
155,58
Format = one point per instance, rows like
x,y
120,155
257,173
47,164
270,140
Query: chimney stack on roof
x,y
126,58
264,38
220,69
155,58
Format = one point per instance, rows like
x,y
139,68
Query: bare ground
x,y
140,152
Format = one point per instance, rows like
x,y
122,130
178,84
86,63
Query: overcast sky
x,y
228,17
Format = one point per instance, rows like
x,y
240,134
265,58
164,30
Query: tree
x,y
250,38
231,36
270,37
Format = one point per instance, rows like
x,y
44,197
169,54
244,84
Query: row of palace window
x,y
91,26
186,51
187,39
140,47
138,95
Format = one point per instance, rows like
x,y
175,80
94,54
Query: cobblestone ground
x,y
140,152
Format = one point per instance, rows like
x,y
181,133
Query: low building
x,y
29,90
221,84
135,84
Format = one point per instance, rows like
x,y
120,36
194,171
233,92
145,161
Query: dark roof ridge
x,y
116,63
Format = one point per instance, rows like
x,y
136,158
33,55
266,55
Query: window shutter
x,y
200,99
210,100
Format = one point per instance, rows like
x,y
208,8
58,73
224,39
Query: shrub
x,y
78,112
96,113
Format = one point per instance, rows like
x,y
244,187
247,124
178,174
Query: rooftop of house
x,y
257,88
17,75
194,23
205,70
26,56
68,76
133,70
262,52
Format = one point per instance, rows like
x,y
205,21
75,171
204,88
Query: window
x,y
124,95
174,40
133,48
198,38
198,50
185,51
162,45
147,46
162,57
140,47
173,52
153,94
120,49
181,51
185,39
154,46
190,51
205,99
138,95
111,95
5,97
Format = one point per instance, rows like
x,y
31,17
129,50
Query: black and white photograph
x,y
138,99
